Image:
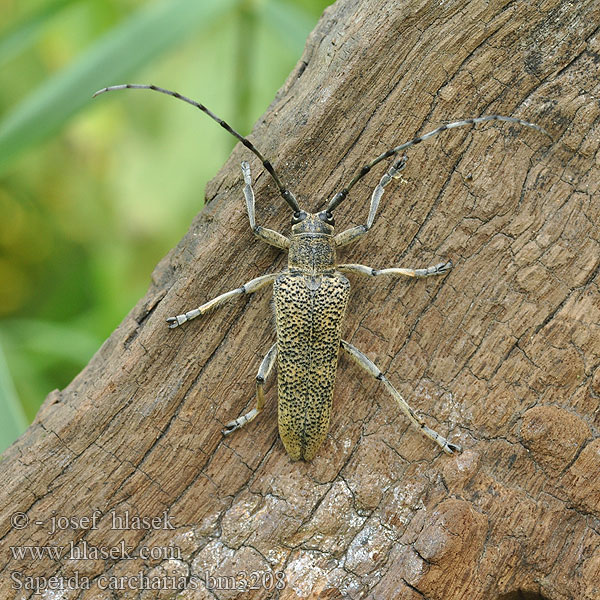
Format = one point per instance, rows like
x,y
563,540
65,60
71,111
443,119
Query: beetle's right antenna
x,y
285,193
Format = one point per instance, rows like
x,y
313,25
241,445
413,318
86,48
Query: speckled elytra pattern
x,y
309,314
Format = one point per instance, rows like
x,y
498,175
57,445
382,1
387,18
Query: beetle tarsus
x,y
229,428
173,322
445,267
452,448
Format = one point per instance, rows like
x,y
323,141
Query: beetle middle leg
x,y
371,368
438,269
248,288
263,372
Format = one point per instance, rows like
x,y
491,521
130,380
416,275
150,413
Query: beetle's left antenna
x,y
285,193
337,199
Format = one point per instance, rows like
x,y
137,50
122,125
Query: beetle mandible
x,y
311,296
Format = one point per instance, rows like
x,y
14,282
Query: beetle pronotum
x,y
310,299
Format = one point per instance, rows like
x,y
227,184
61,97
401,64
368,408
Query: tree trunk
x,y
501,354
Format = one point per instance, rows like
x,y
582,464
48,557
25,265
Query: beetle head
x,y
304,222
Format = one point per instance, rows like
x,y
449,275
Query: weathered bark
x,y
502,353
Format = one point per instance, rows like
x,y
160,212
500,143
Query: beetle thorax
x,y
312,248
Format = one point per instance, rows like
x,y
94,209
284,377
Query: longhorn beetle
x,y
311,296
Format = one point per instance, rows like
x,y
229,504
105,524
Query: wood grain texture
x,y
503,352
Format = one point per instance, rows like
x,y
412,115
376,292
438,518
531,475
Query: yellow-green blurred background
x,y
94,192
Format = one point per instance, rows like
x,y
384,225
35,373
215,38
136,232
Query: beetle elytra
x,y
310,299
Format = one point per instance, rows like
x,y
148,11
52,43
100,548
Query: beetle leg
x,y
266,235
248,288
372,369
352,234
438,269
263,372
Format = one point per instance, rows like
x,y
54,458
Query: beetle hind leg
x,y
263,372
373,370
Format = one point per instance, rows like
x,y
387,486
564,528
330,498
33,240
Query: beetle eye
x,y
298,216
327,217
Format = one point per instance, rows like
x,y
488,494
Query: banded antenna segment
x,y
286,194
339,197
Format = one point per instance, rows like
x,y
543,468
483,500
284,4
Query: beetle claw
x,y
452,448
447,267
229,428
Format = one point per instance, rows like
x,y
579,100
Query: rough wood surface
x,y
502,354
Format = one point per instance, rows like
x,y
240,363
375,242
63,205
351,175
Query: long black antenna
x,y
285,193
335,201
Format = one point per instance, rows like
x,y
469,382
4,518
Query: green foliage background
x,y
94,193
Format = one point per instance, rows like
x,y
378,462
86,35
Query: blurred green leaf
x,y
13,420
41,355
118,54
21,35
291,23
64,341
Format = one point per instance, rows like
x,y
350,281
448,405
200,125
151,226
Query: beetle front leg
x,y
371,368
439,269
263,372
248,288
270,236
354,233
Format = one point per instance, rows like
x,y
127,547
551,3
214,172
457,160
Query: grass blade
x,y
290,22
22,35
13,420
115,56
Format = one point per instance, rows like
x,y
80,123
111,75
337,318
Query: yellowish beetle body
x,y
310,303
